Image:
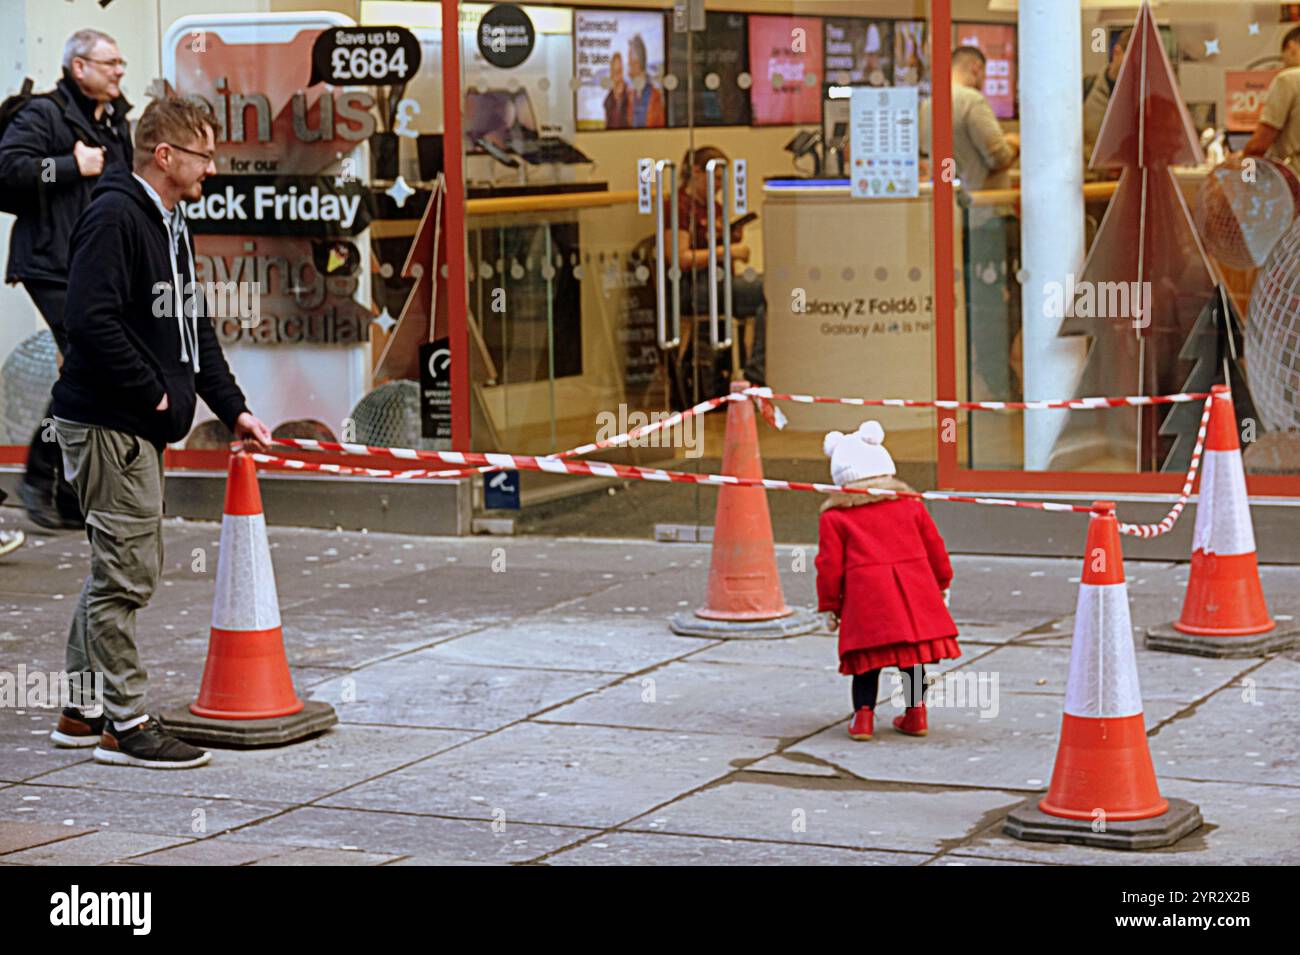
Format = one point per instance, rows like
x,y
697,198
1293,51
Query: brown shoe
x,y
76,731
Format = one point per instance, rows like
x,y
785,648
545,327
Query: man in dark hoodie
x,y
140,352
54,151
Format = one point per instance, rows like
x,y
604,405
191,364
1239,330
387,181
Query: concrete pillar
x,y
1051,192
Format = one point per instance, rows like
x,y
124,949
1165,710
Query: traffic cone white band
x,y
1223,511
1103,681
246,598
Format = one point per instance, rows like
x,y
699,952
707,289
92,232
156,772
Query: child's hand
x,y
832,620
946,595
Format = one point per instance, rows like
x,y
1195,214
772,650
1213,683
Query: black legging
x,y
866,687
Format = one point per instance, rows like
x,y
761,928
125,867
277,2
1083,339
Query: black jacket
x,y
125,339
45,128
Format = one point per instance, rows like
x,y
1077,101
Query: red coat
x,y
882,567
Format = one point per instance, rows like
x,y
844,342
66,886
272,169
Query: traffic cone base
x,y
1103,790
1224,611
246,697
1029,823
743,598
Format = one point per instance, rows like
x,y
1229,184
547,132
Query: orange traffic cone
x,y
1103,790
1224,612
246,697
744,597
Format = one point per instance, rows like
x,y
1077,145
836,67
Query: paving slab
x,y
16,836
183,816
568,775
813,651
618,643
425,837
718,697
422,689
329,857
96,848
350,639
25,747
1239,735
635,848
218,851
831,812
288,774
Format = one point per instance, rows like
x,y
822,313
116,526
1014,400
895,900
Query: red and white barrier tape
x,y
473,462
1170,519
1077,404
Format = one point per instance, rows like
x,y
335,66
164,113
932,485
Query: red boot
x,y
912,722
864,723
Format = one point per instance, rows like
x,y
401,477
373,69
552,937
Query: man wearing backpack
x,y
53,149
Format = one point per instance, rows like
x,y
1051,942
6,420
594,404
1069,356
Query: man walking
x,y
52,154
139,350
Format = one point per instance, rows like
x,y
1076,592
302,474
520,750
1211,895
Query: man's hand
x,y
739,252
90,159
162,405
251,430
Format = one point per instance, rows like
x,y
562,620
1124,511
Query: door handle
x,y
661,272
710,169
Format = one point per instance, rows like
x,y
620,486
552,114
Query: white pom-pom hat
x,y
860,455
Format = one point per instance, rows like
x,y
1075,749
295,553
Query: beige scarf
x,y
840,499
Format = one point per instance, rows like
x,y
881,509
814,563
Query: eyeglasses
x,y
111,64
206,157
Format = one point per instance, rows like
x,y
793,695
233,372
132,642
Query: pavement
x,y
522,700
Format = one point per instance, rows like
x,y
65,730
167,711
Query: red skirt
x,y
901,655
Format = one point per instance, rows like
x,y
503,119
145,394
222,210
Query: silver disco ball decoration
x,y
389,416
1273,336
26,377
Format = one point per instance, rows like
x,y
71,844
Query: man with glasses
x,y
52,154
141,351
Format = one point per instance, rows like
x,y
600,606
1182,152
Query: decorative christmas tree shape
x,y
1147,277
421,319
1217,346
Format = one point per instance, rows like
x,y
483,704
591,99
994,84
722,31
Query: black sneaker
x,y
76,731
147,745
41,510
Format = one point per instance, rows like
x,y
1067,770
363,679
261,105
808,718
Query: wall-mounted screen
x,y
785,59
620,68
719,58
912,55
997,41
859,52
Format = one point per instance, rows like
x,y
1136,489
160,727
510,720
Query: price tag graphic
x,y
365,56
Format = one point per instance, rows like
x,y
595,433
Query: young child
x,y
881,573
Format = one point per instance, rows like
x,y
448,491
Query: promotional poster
x,y
785,57
620,69
285,211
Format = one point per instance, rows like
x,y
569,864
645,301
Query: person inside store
x,y
618,101
1278,134
1097,91
647,99
81,126
748,305
983,156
